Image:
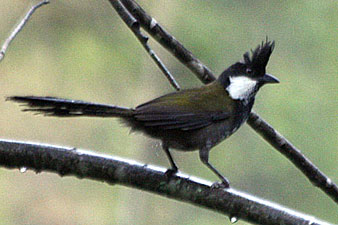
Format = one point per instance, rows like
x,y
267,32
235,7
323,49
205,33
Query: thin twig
x,y
85,164
169,42
19,27
134,26
279,142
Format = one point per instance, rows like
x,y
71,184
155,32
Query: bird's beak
x,y
268,78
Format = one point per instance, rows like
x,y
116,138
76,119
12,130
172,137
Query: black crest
x,y
260,56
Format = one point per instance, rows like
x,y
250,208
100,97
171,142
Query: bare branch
x,y
169,42
134,26
84,164
318,178
19,27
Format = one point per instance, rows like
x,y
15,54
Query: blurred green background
x,y
82,50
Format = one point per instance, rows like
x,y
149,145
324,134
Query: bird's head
x,y
243,79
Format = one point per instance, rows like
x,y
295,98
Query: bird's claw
x,y
221,185
170,172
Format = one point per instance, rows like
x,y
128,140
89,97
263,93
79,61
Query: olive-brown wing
x,y
186,110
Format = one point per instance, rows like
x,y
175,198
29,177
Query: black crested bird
x,y
192,119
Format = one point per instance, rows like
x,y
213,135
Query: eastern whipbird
x,y
187,120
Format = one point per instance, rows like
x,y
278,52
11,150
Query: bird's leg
x,y
173,168
204,156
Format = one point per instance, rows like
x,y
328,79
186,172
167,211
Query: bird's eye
x,y
249,71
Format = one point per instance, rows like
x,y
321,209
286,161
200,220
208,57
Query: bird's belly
x,y
190,140
215,134
193,140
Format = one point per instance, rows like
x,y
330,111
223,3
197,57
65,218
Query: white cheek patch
x,y
241,87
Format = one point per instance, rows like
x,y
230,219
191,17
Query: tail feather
x,y
59,107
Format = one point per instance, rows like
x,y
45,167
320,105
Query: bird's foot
x,y
221,185
170,172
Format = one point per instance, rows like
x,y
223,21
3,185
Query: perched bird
x,y
187,120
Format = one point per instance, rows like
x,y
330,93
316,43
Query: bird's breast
x,y
218,132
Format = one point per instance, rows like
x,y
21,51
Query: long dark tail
x,y
51,106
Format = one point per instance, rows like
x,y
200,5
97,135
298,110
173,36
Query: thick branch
x,y
19,27
279,142
84,164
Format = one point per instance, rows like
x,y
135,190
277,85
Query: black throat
x,y
243,110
